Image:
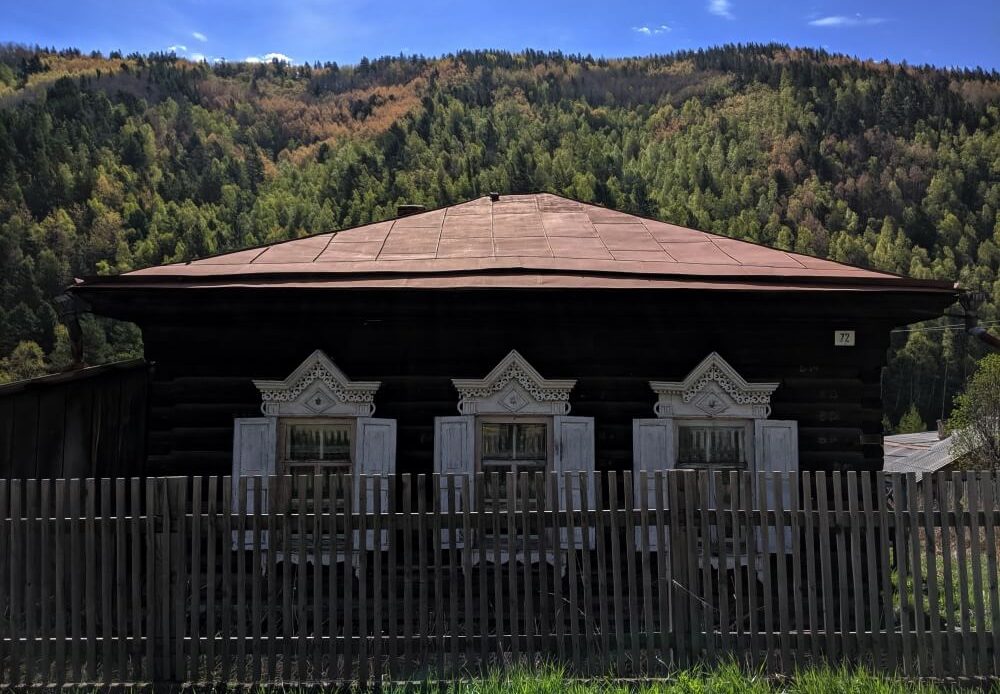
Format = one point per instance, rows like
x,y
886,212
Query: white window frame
x,y
284,462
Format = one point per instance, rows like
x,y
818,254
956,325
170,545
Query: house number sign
x,y
843,338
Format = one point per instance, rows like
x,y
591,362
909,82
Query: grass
x,y
726,679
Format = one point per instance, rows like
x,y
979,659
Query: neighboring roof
x,y
921,453
73,375
537,240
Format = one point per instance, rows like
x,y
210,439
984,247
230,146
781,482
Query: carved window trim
x,y
713,389
317,388
513,387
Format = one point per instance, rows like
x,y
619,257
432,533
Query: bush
x,y
975,420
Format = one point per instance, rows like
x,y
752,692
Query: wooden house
x,y
512,333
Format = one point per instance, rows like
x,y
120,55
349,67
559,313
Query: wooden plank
x,y
59,513
930,546
211,574
634,599
753,526
439,607
554,538
524,504
766,550
483,595
316,550
901,554
408,565
825,568
468,614
586,483
498,584
885,574
577,636
452,523
814,597
989,500
152,626
863,643
616,573
696,627
945,492
512,597
178,489
781,482
869,521
364,583
544,556
795,485
678,597
261,528
603,594
347,671
708,618
723,523
45,579
377,595
966,647
107,584
121,578
842,561
976,565
422,572
29,575
195,580
916,572
332,518
228,552
663,585
91,604
165,567
301,591
646,584
740,528
392,531
286,548
18,651
241,580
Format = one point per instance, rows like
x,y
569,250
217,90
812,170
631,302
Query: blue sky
x,y
963,33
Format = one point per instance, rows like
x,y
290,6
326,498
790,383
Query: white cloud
x,y
268,57
721,8
200,36
844,21
647,31
197,57
179,48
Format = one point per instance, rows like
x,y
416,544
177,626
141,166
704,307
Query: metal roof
x,y
921,453
536,240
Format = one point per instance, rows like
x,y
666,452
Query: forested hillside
x,y
113,163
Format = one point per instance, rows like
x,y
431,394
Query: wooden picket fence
x,y
170,581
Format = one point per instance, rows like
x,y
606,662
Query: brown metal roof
x,y
538,240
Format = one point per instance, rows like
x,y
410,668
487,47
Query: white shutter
x,y
574,454
776,450
254,455
375,451
455,454
652,453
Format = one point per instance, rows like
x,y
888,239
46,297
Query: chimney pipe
x,y
407,210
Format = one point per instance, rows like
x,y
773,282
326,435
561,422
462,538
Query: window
x,y
518,446
311,447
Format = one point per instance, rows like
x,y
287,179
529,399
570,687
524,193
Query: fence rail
x,y
334,579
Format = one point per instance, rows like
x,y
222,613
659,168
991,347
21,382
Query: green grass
x,y
726,679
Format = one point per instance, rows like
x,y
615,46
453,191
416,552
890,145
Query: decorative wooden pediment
x,y
513,387
318,388
713,389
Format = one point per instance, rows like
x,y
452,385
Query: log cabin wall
x,y
207,351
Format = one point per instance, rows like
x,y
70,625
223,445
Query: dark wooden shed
x,y
611,301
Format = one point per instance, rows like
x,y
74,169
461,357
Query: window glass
x,y
318,442
513,447
718,447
